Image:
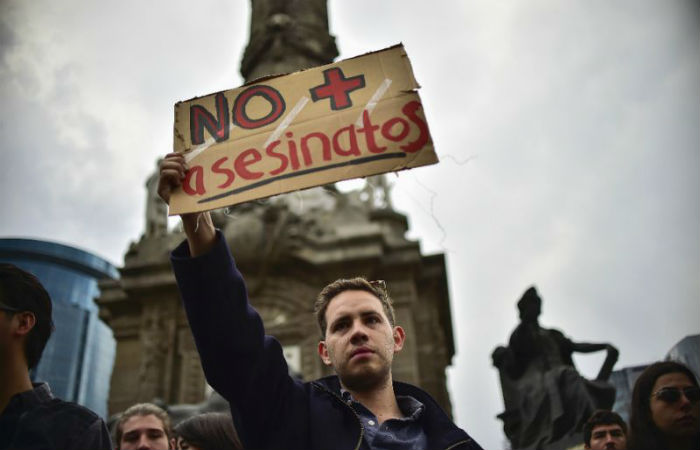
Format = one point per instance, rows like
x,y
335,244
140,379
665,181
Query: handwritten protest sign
x,y
358,117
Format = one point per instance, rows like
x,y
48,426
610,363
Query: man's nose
x,y
144,442
358,332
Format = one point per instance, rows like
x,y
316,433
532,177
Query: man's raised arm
x,y
243,365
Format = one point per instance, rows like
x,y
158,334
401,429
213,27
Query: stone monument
x,y
287,247
546,400
156,209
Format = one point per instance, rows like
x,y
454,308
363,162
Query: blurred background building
x,y
78,359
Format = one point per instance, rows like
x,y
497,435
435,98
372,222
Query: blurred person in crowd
x,y
207,431
143,426
605,430
665,409
361,407
30,416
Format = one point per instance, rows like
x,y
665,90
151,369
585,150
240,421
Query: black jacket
x,y
36,420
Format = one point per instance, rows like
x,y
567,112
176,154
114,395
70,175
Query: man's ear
x,y
399,338
173,443
22,323
323,353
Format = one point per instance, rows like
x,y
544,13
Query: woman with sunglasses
x,y
665,412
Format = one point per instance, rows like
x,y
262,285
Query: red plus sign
x,y
337,88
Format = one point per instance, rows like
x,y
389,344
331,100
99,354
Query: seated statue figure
x,y
547,401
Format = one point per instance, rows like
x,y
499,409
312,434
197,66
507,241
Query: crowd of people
x,y
360,407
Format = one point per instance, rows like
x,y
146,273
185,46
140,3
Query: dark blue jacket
x,y
271,409
36,420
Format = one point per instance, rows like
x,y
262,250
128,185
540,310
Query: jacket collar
x,y
441,431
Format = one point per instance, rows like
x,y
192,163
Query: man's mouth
x,y
361,352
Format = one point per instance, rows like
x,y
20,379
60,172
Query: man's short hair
x,y
376,288
602,417
22,291
141,409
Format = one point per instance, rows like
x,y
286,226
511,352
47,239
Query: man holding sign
x,y
355,118
360,408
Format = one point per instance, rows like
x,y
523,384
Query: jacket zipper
x,y
357,416
456,444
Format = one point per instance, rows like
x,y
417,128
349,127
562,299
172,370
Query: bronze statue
x,y
547,401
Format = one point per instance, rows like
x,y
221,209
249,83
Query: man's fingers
x,y
173,177
173,161
173,167
172,172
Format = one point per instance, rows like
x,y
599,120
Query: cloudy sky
x,y
569,133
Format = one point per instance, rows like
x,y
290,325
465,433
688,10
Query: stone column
x,y
286,36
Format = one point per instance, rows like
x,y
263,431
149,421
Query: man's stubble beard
x,y
365,380
370,377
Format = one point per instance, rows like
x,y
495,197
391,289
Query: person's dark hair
x,y
644,434
141,409
601,417
22,291
376,288
209,431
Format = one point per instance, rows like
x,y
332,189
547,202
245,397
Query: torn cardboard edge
x,y
279,75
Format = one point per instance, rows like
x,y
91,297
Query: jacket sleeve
x,y
240,362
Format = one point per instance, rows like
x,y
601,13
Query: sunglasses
x,y
673,394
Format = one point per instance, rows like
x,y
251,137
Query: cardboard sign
x,y
350,119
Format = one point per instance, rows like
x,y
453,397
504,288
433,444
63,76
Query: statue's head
x,y
530,305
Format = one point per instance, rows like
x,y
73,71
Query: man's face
x,y
679,418
143,433
360,342
605,437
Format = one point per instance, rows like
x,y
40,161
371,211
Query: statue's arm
x,y
585,347
610,359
